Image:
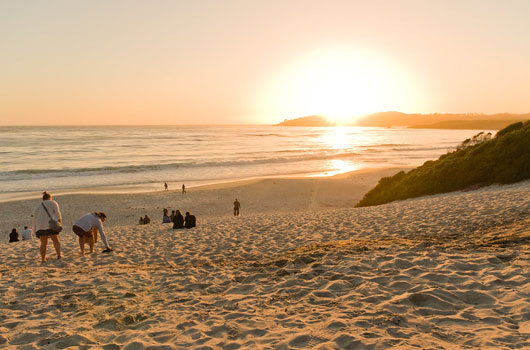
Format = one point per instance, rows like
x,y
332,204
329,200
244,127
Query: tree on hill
x,y
503,159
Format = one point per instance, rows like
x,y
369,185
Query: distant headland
x,y
422,121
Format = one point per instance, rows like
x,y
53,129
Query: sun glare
x,y
339,84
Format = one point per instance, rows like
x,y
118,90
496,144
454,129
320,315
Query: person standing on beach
x,y
165,186
85,228
26,234
46,212
183,189
237,205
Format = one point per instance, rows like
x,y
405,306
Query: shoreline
x,y
146,188
257,195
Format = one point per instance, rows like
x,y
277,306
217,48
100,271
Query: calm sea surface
x,y
131,158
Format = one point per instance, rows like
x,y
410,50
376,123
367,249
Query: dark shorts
x,y
48,232
80,232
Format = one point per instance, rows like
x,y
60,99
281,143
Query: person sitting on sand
x,y
172,215
165,217
178,220
13,236
141,221
45,212
26,234
190,220
147,220
85,228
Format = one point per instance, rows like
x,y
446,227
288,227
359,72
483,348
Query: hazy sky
x,y
194,62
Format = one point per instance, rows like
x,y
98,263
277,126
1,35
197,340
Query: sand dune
x,y
441,272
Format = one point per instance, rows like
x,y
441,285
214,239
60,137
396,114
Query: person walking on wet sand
x,y
165,186
237,205
46,215
183,189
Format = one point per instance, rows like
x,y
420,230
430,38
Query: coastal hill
x,y
427,121
311,120
477,162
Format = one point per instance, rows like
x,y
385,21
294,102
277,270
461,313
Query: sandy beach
x,y
299,269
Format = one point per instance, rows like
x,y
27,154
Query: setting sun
x,y
339,83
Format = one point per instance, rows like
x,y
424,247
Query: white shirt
x,y
87,221
41,220
26,235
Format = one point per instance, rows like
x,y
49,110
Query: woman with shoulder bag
x,y
47,224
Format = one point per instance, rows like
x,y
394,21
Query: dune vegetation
x,y
479,161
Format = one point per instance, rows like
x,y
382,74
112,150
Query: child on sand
x,y
86,228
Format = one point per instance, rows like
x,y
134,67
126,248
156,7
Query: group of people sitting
x,y
144,220
26,235
178,220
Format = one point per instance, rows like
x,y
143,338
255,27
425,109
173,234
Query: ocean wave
x,y
38,173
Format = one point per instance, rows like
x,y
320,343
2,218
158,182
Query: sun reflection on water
x,y
337,138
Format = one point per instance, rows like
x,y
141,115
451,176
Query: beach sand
x,y
299,269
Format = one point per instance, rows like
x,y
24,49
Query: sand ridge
x,y
440,272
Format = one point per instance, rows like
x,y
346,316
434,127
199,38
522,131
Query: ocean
x,y
142,158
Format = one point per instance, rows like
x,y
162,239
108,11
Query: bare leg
x,y
95,234
56,245
82,245
91,241
43,245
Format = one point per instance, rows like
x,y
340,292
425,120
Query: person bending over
x,y
85,228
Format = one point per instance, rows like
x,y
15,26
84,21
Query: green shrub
x,y
478,161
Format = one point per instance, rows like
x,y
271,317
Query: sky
x,y
155,62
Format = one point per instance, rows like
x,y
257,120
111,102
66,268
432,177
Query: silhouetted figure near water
x,y
190,220
165,186
147,220
237,205
13,236
183,189
178,220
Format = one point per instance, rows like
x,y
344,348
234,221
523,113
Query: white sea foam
x,y
68,158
